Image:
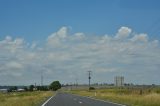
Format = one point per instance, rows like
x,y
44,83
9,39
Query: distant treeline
x,y
55,85
25,88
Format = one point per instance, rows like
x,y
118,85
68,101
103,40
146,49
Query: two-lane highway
x,y
65,99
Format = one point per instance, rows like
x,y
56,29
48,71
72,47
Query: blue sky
x,y
36,19
63,39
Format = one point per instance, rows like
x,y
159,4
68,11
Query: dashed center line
x,y
80,102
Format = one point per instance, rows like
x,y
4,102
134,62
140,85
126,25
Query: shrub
x,y
91,88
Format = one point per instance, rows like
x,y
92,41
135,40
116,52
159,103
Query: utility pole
x,y
76,82
71,86
89,78
41,78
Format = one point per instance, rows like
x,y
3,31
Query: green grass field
x,y
24,98
131,97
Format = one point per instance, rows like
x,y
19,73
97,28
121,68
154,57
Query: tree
x,y
42,88
31,87
25,88
55,85
13,88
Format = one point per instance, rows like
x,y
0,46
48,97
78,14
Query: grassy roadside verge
x,y
24,98
123,96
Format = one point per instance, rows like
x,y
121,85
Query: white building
x,y
4,90
119,81
20,90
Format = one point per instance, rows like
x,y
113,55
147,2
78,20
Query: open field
x,y
24,98
131,97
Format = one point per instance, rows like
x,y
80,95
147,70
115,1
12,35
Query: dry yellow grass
x,y
24,98
128,97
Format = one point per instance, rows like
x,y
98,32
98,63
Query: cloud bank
x,y
66,57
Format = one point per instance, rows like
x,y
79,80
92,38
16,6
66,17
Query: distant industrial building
x,y
119,81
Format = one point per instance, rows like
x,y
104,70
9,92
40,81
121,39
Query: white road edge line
x,y
48,100
99,100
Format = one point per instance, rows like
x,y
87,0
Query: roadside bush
x,y
91,88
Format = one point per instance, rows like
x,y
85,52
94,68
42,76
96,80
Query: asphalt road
x,y
65,99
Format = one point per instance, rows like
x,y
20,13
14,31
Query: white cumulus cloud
x,y
123,32
140,38
73,55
